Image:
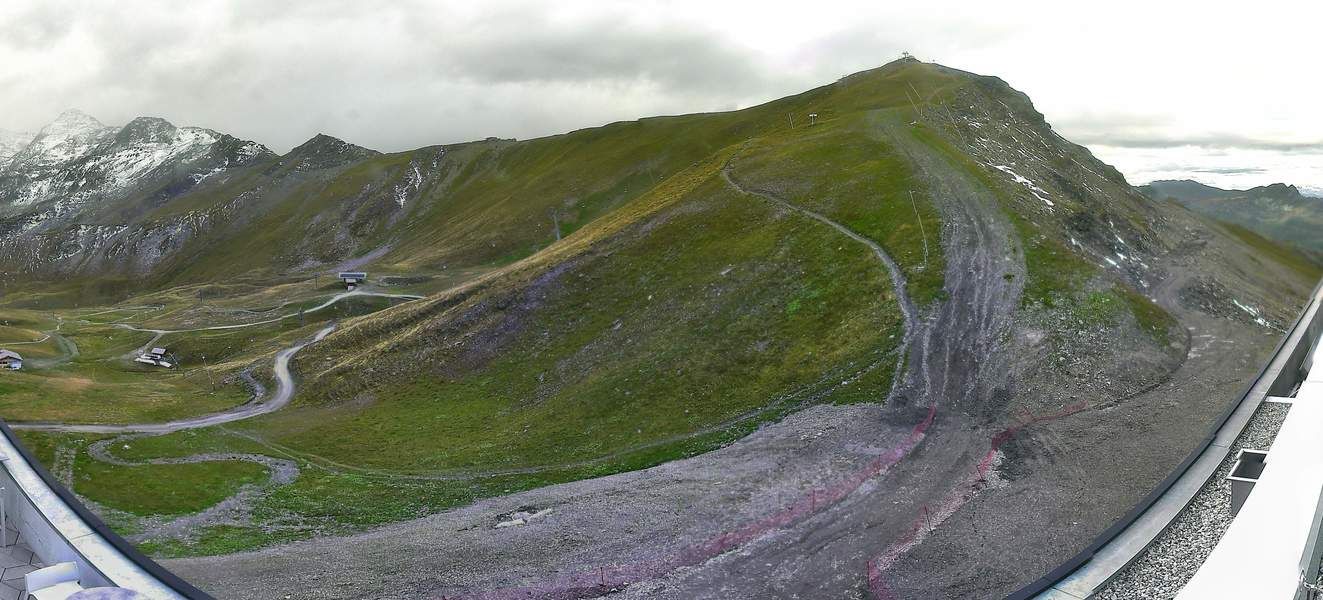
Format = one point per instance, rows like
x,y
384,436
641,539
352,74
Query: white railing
x,y
59,529
1270,548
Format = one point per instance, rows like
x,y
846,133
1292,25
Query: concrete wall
x,y
41,535
59,529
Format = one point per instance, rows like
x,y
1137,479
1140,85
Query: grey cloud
x,y
34,26
1144,130
393,76
1228,170
528,47
1217,142
410,73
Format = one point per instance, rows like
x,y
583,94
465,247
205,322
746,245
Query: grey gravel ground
x,y
1164,568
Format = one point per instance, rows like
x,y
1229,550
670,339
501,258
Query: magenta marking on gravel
x,y
602,580
962,494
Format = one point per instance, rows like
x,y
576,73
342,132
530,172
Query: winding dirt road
x,y
257,406
284,392
334,299
235,508
68,349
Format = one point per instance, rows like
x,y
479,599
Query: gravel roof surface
x,y
1174,556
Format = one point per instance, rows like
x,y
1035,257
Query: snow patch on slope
x,y
1028,184
1253,313
415,179
76,160
124,166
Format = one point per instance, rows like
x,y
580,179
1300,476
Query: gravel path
x,y
334,299
898,283
234,510
1174,556
68,349
252,408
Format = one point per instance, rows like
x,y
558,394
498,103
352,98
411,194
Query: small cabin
x,y
10,360
155,356
353,279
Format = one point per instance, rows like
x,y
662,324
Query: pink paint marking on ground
x,y
962,494
588,584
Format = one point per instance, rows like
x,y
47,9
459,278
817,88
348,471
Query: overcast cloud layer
x,y
1227,93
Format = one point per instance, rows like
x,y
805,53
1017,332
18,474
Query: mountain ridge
x,y
1277,211
1191,189
383,200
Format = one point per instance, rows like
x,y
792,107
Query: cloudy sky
x,y
1227,93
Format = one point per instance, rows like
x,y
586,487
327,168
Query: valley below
x,y
919,346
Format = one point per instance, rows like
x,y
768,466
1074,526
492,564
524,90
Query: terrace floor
x,y
16,560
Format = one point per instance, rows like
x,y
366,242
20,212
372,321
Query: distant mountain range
x,y
76,167
1278,211
147,198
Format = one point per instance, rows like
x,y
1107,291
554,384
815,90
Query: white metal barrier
x,y
58,531
1271,547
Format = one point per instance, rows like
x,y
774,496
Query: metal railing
x,y
59,528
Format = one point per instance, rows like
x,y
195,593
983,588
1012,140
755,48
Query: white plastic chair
x,y
55,582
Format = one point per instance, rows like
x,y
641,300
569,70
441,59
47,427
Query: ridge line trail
x,y
955,373
893,269
828,537
898,282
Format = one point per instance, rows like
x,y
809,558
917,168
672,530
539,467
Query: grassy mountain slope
x,y
595,341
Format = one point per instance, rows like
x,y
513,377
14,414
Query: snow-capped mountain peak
x,y
72,121
146,130
76,161
72,135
